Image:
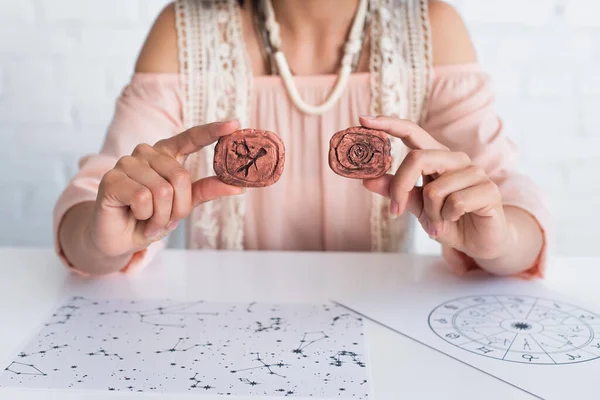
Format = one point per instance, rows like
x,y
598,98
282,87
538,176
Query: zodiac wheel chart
x,y
522,329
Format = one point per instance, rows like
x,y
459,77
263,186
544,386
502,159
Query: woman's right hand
x,y
145,196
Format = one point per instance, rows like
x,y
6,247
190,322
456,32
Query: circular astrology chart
x,y
521,329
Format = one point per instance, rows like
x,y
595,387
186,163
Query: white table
x,y
32,281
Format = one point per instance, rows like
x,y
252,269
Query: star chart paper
x,y
520,332
254,349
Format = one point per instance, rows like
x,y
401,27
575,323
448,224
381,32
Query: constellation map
x,y
248,349
521,329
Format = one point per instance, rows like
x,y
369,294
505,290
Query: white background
x,y
64,62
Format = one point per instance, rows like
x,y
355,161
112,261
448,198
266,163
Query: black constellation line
x,y
263,365
481,338
174,348
84,302
250,306
574,329
104,353
51,348
567,343
337,359
179,309
305,342
285,392
247,381
275,325
342,316
497,340
517,303
555,324
494,309
198,383
176,309
553,340
475,313
64,318
547,315
65,312
469,322
19,368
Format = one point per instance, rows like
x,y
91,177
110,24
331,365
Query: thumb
x,y
211,188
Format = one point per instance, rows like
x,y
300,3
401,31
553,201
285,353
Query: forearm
x,y
523,247
79,249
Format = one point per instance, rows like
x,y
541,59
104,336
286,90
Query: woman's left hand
x,y
458,205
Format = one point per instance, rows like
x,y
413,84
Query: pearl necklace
x,y
351,51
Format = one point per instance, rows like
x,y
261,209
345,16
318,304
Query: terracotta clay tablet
x,y
360,153
249,158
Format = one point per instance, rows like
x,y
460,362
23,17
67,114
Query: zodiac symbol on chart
x,y
529,357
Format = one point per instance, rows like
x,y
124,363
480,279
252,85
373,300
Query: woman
x,y
412,64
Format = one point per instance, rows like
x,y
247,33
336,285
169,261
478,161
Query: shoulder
x,y
450,40
159,53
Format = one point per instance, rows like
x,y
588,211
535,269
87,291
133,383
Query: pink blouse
x,y
307,208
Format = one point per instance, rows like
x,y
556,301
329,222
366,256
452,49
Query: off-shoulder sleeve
x,y
148,109
462,116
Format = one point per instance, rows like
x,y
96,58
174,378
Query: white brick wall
x,y
63,63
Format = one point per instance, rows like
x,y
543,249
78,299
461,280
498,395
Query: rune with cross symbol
x,y
249,158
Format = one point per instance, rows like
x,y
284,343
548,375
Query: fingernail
x,y
172,225
228,121
161,235
432,231
394,209
151,234
369,117
428,228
